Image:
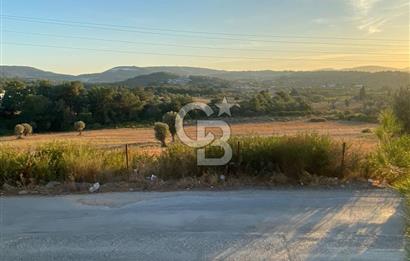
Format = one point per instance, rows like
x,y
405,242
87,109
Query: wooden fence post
x,y
238,152
343,158
126,156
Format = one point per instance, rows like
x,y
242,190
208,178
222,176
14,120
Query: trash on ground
x,y
95,187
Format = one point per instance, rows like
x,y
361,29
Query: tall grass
x,y
292,156
391,161
58,162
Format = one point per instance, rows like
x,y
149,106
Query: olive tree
x,y
161,132
19,131
169,118
79,126
28,129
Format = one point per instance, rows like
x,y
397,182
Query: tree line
x,y
49,107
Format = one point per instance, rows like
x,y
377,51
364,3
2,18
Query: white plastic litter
x,y
153,178
95,187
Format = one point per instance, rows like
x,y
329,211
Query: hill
x,y
131,75
372,69
343,78
166,80
30,73
153,78
123,73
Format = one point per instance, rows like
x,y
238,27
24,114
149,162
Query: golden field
x,y
350,132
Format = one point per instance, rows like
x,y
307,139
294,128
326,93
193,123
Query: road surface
x,y
235,225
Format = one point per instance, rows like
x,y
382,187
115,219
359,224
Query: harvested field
x,y
347,131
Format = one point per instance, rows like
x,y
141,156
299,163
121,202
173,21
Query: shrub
x,y
79,126
389,127
401,107
391,161
161,132
367,130
317,120
291,155
178,161
28,129
169,119
263,157
59,162
19,131
287,158
361,117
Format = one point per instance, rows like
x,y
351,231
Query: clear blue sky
x,y
322,20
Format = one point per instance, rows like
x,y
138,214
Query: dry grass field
x,y
350,132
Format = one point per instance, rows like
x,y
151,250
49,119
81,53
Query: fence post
x,y
238,152
126,156
343,158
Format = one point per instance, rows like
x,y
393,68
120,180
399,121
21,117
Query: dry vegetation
x,y
340,131
306,152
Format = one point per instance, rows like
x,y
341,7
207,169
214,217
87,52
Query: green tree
x,y
127,105
390,125
63,117
161,132
401,107
101,104
19,131
15,93
169,118
36,108
79,126
28,129
71,94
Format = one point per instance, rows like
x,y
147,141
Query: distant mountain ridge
x,y
123,73
146,79
372,69
116,74
26,72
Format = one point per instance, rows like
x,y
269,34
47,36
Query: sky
x,y
75,37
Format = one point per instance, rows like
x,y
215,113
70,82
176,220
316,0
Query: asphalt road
x,y
237,225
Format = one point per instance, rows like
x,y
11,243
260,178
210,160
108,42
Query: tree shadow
x,y
357,227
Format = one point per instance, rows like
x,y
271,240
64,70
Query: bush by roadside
x,y
58,162
282,160
293,157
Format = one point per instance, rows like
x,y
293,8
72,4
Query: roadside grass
x,y
288,159
291,159
391,164
60,161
